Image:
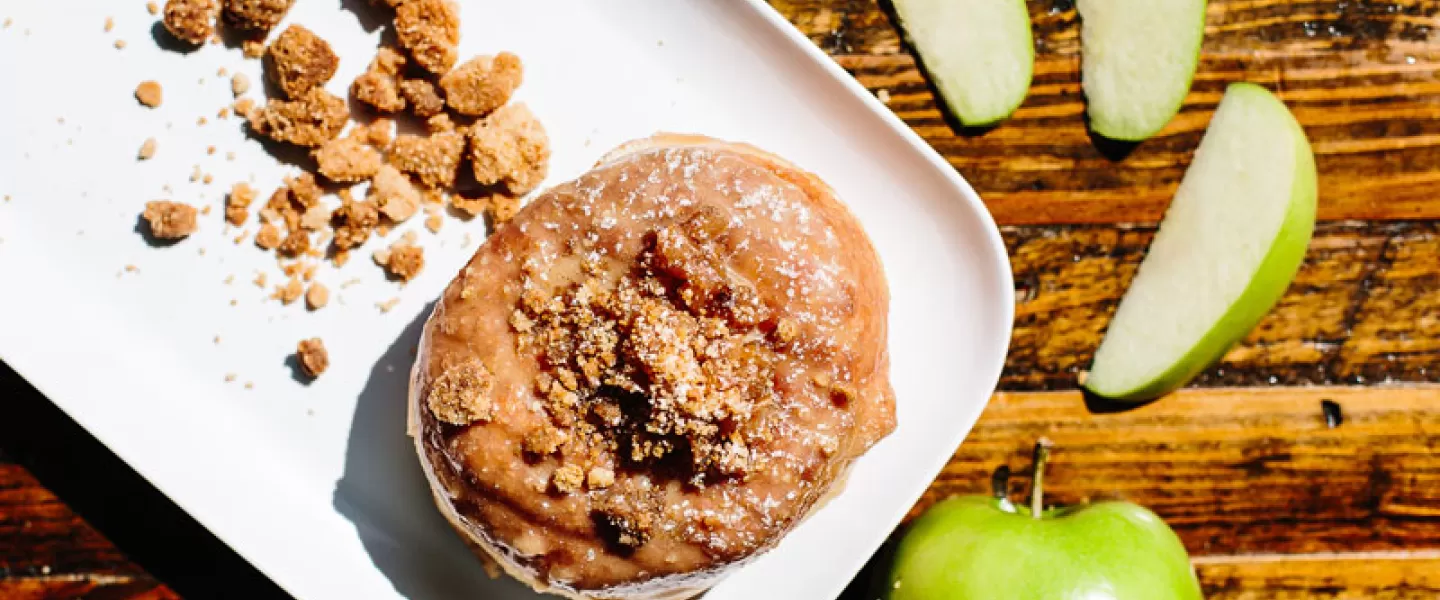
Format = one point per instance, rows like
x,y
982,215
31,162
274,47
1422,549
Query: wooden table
x,y
1270,501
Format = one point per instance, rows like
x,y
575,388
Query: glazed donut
x,y
655,371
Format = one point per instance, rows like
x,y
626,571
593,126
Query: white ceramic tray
x,y
318,486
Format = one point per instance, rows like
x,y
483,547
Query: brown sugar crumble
x,y
433,159
290,292
348,159
461,395
312,357
430,30
379,85
239,84
424,100
405,174
402,260
255,15
313,119
170,220
482,84
191,21
510,147
677,331
150,94
299,61
252,48
147,149
394,194
317,296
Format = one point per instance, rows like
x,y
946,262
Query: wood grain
x,y
47,551
1235,471
1364,308
1361,77
1356,576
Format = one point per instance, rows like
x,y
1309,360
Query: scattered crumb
x,y
150,94
217,340
255,15
402,260
393,193
244,107
109,24
169,220
260,280
290,292
312,357
239,84
482,84
147,149
424,100
511,147
201,121
207,180
433,223
152,8
229,377
430,30
883,96
223,113
299,61
312,120
503,208
317,296
434,160
132,269
379,85
210,151
229,279
119,44
268,237
471,207
252,48
249,385
348,159
600,478
222,72
388,305
191,21
569,478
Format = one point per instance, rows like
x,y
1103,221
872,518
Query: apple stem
x,y
1037,486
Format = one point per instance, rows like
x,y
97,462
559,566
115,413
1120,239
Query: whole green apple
x,y
978,547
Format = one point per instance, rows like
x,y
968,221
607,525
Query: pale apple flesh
x,y
1229,246
1137,62
979,53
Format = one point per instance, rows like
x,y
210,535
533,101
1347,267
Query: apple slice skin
x,y
957,78
969,548
1110,115
1277,269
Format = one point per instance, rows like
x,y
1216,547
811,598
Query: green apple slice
x,y
978,53
1230,243
1137,61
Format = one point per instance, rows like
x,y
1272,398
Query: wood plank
x,y
1365,307
41,536
1350,576
1233,470
1359,76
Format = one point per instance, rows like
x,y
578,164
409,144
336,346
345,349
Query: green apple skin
x,y
1138,60
970,548
980,54
1273,276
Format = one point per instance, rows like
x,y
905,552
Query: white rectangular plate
x,y
317,485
